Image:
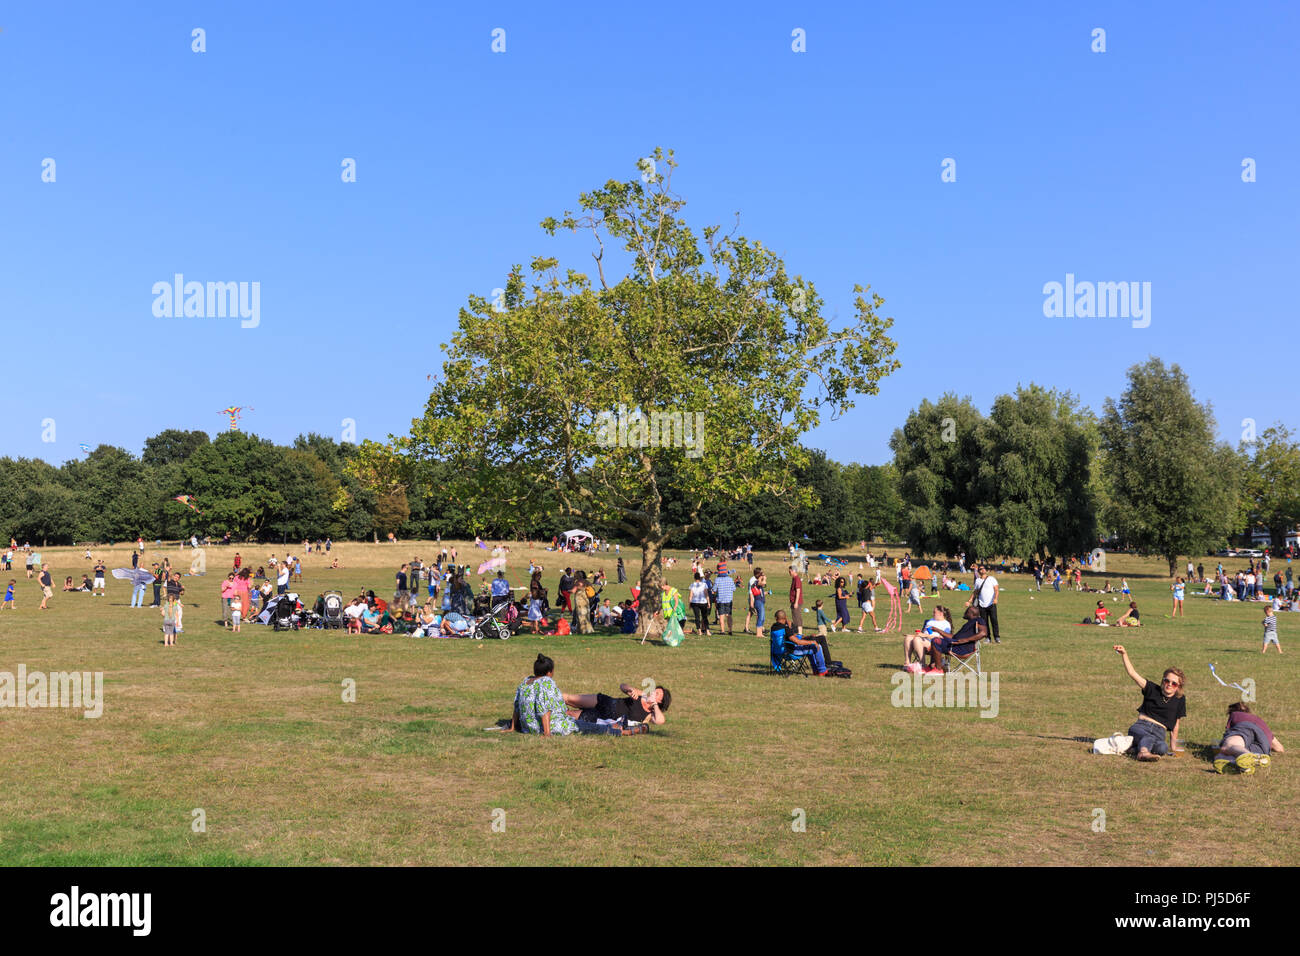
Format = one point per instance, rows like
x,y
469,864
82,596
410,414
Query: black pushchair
x,y
283,617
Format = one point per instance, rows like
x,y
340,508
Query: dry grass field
x,y
252,730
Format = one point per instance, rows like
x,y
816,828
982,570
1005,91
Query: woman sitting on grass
x,y
1162,710
1131,617
1246,742
540,709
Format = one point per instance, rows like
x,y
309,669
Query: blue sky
x,y
225,166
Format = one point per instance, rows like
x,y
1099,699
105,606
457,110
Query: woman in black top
x,y
1163,709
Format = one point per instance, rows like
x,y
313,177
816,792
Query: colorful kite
x,y
233,413
188,502
491,564
85,448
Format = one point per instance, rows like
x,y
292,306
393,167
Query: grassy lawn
x,y
252,729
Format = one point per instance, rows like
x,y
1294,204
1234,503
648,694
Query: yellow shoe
x,y
1221,764
1246,763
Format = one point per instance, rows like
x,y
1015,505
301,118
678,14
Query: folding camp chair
x,y
970,661
794,661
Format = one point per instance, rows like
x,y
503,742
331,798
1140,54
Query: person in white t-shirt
x,y
986,600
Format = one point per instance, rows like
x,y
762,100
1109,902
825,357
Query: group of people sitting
x,y
541,708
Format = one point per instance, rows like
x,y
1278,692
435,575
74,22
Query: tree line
x,y
250,487
1041,476
1037,476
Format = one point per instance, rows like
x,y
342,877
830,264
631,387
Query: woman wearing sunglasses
x,y
1163,709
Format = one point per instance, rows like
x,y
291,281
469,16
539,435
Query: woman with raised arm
x,y
1162,710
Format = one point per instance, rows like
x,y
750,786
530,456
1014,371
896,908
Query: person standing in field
x,y
796,600
171,617
1270,631
47,586
1179,588
98,589
986,602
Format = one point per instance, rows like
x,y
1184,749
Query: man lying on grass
x,y
1162,711
635,706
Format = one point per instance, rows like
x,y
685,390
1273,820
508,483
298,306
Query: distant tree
x,y
937,455
1033,493
1272,483
235,480
874,495
831,521
1174,489
172,446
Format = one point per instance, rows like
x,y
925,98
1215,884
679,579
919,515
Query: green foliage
x,y
1174,489
1019,482
1271,484
708,328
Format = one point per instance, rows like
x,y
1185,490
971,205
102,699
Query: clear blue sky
x,y
1123,165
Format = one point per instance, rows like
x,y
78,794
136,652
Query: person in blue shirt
x,y
500,588
782,634
724,590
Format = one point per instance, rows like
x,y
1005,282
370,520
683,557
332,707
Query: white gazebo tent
x,y
571,539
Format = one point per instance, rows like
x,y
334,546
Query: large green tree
x,y
1018,482
1272,483
1173,488
727,355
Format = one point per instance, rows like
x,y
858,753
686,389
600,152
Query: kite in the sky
x,y
84,447
188,502
233,413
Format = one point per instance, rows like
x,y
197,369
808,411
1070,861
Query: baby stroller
x,y
333,612
490,624
282,615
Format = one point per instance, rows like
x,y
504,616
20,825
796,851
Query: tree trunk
x,y
651,617
1173,565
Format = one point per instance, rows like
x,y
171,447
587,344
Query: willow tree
x,y
686,369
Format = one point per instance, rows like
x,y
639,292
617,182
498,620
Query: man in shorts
x,y
724,594
47,586
796,600
97,590
641,707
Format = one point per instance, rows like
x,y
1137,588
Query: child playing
x,y
821,619
236,611
1270,631
9,596
913,598
169,616
867,601
1178,587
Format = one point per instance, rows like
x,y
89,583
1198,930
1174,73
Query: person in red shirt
x,y
1099,616
796,600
